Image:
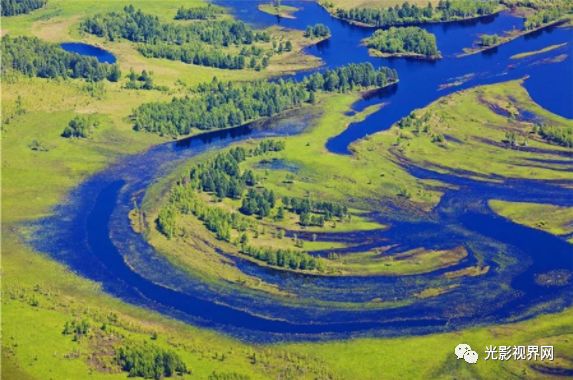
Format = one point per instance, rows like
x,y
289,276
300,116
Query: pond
x,y
100,54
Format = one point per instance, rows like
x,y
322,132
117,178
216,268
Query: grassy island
x,y
285,11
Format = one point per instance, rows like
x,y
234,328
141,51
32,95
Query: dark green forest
x,y
18,7
408,14
410,39
218,104
37,58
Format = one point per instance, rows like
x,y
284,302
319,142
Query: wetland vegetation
x,y
277,219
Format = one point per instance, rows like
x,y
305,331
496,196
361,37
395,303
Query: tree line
x,y
221,105
404,40
317,31
34,57
18,7
409,14
198,13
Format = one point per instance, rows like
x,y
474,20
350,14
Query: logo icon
x,y
464,351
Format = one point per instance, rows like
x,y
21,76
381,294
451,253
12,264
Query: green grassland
x,y
39,295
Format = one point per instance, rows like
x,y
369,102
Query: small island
x,y
275,8
412,41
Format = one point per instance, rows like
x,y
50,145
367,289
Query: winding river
x,y
92,234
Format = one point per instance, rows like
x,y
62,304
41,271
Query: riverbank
x,y
510,36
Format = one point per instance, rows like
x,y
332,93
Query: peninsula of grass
x,y
284,11
443,138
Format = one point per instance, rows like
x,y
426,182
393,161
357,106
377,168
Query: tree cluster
x,y
222,105
198,13
560,135
34,57
143,81
149,361
314,213
486,40
410,39
18,7
409,14
317,31
258,203
80,127
305,205
76,328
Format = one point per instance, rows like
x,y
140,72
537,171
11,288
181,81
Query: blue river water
x,y
81,48
92,234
